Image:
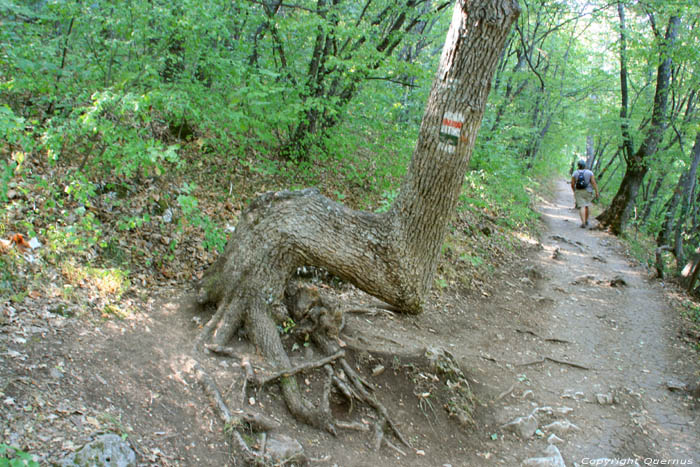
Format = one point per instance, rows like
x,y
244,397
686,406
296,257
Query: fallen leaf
x,y
19,240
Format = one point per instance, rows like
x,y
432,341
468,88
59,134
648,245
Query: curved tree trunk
x,y
616,215
391,255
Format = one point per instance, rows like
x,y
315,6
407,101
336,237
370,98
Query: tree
x,y
390,255
616,215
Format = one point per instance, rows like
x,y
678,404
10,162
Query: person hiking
x,y
582,184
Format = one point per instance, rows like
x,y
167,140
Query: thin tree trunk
x,y
61,68
590,151
601,175
687,195
606,180
651,199
617,214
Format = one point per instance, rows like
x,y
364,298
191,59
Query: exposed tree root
x,y
391,256
313,319
214,394
231,422
554,360
299,369
221,350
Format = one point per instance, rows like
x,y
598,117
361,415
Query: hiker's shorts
x,y
583,198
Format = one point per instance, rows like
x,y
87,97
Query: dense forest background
x,y
134,132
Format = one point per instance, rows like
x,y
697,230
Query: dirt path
x,y
618,324
573,332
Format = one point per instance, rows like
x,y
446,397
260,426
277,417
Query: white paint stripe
x,y
450,130
456,116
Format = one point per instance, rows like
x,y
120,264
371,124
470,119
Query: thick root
x,y
317,318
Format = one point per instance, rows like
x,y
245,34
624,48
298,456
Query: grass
x,y
110,283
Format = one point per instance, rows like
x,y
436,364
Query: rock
x,y
561,427
599,258
546,410
108,450
552,458
168,216
570,394
676,386
557,253
524,427
563,410
378,370
34,243
605,399
282,449
528,395
559,238
617,281
554,439
55,373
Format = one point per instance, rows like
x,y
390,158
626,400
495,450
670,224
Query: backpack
x,y
581,181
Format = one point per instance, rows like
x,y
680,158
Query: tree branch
x,y
396,81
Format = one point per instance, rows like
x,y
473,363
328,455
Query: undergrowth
x,y
156,212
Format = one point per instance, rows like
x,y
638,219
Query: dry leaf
x,y
19,240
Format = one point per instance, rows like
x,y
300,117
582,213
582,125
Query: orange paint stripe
x,y
452,123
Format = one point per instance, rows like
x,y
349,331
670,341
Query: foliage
x,y
14,457
131,134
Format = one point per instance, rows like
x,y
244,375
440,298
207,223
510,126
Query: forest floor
x,y
575,334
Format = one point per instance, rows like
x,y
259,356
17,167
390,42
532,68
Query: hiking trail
x,y
574,341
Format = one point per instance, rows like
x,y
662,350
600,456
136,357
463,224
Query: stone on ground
x,y
552,458
108,450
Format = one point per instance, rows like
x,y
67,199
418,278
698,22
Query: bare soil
x,y
574,324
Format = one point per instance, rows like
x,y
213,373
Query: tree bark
x,y
616,215
392,255
692,270
651,199
688,193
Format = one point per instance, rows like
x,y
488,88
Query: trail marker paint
x,y
450,130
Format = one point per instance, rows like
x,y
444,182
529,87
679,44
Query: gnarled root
x,y
322,325
251,285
